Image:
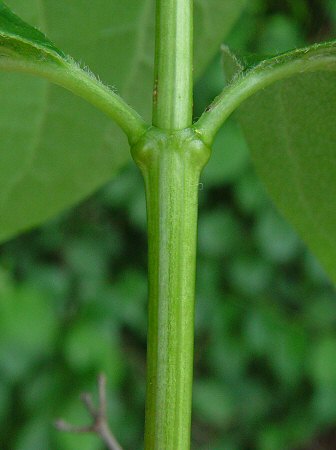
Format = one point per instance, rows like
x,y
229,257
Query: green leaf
x,y
54,148
290,127
21,40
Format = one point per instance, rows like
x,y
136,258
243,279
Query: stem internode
x,y
172,102
171,164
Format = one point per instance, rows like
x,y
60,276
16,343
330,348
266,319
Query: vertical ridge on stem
x,y
172,99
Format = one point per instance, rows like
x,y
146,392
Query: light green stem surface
x,y
172,100
171,165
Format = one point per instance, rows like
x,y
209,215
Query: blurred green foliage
x,y
73,298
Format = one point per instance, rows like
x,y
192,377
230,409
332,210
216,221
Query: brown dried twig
x,y
99,425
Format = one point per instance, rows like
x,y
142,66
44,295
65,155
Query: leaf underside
x,y
290,129
54,148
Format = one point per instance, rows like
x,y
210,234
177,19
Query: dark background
x,y
73,299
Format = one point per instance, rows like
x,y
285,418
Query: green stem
x,y
171,164
172,102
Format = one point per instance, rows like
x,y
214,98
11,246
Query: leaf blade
x,y
290,128
303,185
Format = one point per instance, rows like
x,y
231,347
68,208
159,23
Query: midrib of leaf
x,y
126,88
36,142
116,31
43,17
141,28
294,168
138,55
45,103
205,16
34,148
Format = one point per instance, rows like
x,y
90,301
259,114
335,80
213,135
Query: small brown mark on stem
x,y
155,91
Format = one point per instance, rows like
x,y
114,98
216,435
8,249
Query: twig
x,y
99,425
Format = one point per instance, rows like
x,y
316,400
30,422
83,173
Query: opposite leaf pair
x,y
288,123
